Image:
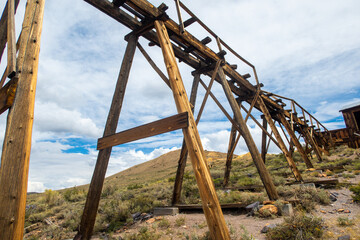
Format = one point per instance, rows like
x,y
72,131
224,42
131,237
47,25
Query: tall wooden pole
x,y
3,27
11,41
229,156
310,140
97,181
264,174
263,139
184,152
17,142
210,202
282,145
295,140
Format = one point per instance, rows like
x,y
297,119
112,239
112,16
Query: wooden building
x,y
351,134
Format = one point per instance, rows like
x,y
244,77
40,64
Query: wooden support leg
x,y
211,206
183,153
295,141
229,156
11,41
263,140
244,131
3,27
97,181
17,142
310,141
283,148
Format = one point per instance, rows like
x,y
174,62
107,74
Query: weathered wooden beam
x,y
97,181
7,95
3,27
263,139
295,140
244,131
153,65
189,21
148,130
310,140
283,148
184,151
229,156
211,206
11,40
17,142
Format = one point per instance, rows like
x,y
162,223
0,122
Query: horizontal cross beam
x,y
148,130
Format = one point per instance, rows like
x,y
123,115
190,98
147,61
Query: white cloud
x,y
36,187
305,50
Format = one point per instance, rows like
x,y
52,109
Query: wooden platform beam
x,y
148,130
211,206
310,141
263,139
244,131
11,40
3,27
97,181
17,143
295,140
281,143
179,177
229,156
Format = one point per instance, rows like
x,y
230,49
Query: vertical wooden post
x,y
264,174
295,140
309,140
3,28
11,41
17,142
184,153
229,156
263,139
283,148
97,181
210,202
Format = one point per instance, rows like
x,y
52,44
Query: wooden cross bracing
x,y
151,23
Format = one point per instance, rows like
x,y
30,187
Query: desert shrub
x,y
143,234
345,221
52,198
164,223
356,192
348,175
72,217
141,203
218,182
308,196
74,194
108,190
113,215
134,186
298,226
180,221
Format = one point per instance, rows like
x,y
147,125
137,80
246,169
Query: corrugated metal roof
x,y
351,105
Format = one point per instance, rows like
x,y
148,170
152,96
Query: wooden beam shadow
x,y
165,125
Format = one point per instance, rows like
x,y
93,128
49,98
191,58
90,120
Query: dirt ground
x,y
240,225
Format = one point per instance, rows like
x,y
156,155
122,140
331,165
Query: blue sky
x,y
305,50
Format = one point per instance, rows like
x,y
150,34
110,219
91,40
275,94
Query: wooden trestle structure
x,y
153,24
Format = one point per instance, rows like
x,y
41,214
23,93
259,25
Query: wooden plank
x,y
97,181
17,142
281,143
7,95
147,130
263,139
295,141
153,65
3,28
229,156
184,151
244,131
211,206
11,40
